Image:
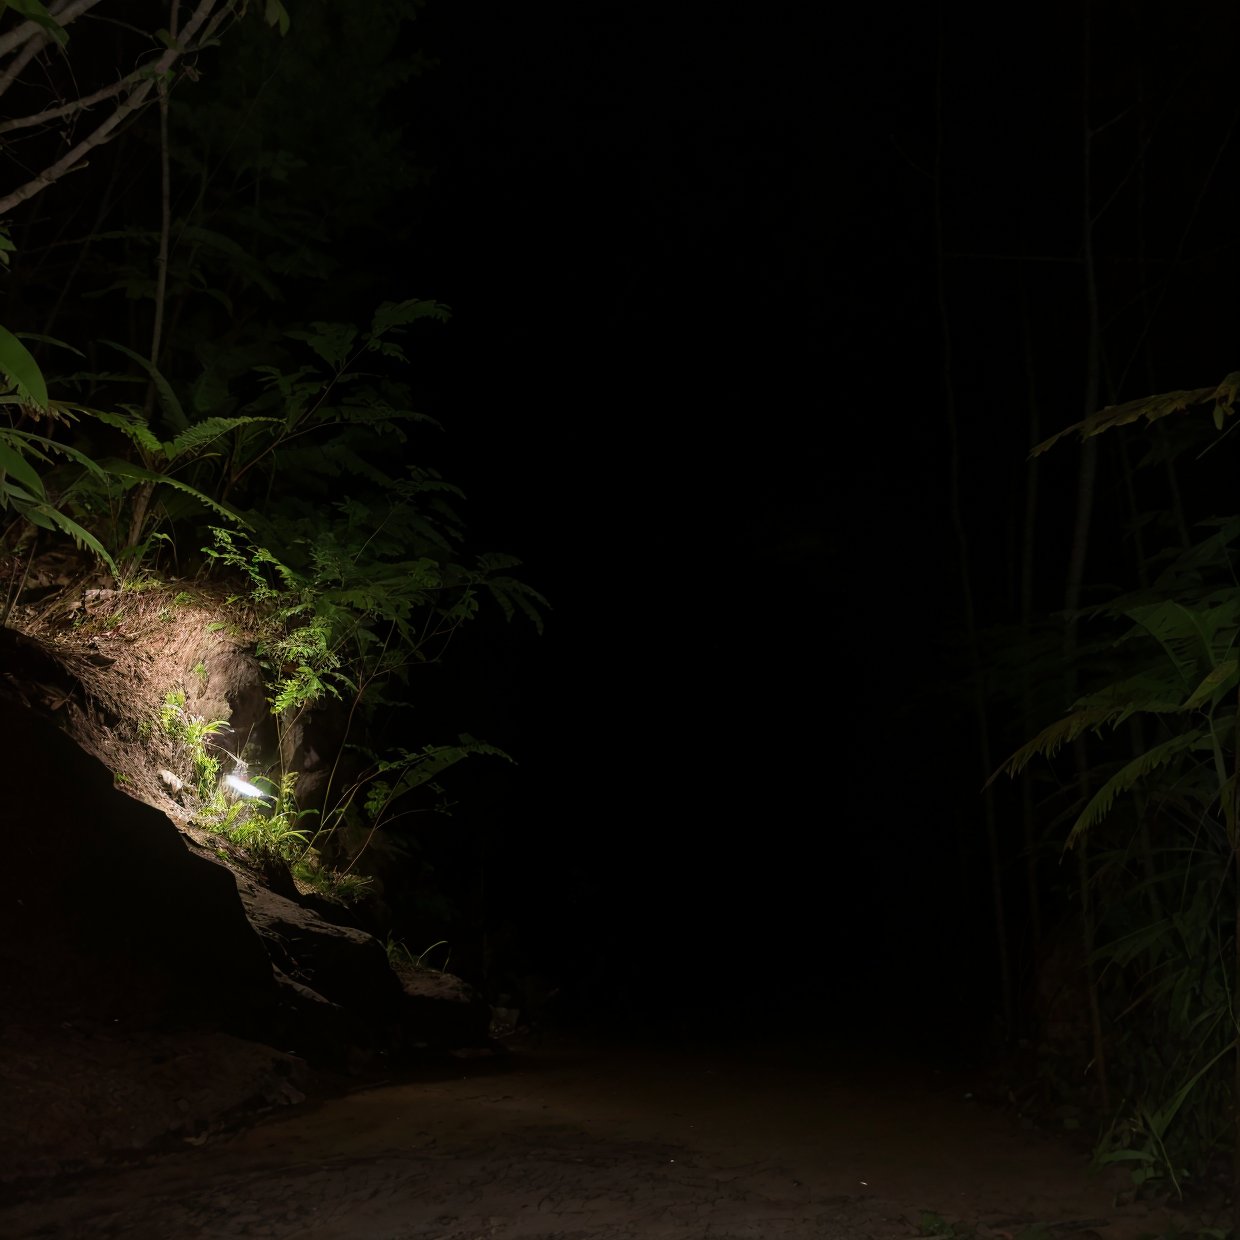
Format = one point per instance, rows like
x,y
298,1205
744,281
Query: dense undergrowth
x,y
205,392
1143,791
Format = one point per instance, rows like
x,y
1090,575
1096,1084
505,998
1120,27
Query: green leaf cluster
x,y
1155,744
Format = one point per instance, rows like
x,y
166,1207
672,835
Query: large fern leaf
x,y
1178,630
38,511
21,370
1220,680
168,401
1052,738
416,769
1156,691
1132,773
134,427
126,469
15,463
194,438
393,314
1152,409
333,342
52,447
513,596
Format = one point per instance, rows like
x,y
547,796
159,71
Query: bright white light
x,y
237,784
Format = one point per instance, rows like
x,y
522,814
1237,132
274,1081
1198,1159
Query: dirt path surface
x,y
783,1143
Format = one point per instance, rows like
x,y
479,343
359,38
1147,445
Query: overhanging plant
x,y
1171,933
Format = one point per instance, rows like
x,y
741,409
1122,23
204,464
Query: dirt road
x,y
779,1142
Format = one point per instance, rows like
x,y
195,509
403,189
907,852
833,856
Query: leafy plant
x,y
22,487
399,954
202,403
1162,719
310,873
192,731
343,629
268,830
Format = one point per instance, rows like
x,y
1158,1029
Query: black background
x,y
695,379
691,381
743,298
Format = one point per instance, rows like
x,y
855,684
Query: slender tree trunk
x,y
980,713
1085,484
1235,1084
1028,818
144,491
1231,814
17,585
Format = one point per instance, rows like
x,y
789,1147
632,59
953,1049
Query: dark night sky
x,y
684,260
694,379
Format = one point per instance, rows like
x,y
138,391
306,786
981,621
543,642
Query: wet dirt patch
x,y
585,1141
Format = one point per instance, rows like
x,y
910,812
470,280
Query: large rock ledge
x,y
133,968
337,989
105,913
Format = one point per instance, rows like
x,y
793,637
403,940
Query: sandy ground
x,y
783,1142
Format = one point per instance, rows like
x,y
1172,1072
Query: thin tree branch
x,y
165,209
955,491
71,161
65,109
19,63
32,30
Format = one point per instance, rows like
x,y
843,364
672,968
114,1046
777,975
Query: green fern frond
x,y
21,370
238,257
1156,691
1127,776
52,447
493,561
15,463
1187,635
366,407
48,517
126,469
513,596
311,461
168,401
134,427
416,769
1218,681
198,436
1152,409
333,342
393,314
1144,940
425,481
1166,623
1051,739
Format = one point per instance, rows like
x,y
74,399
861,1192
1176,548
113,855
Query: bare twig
x,y
32,30
19,62
64,109
142,498
209,14
165,205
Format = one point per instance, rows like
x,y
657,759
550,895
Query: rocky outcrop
x,y
104,911
341,990
108,915
130,960
148,992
